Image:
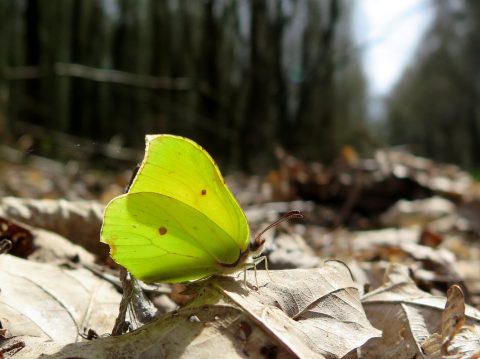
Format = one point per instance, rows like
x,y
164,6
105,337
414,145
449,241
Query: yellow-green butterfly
x,y
179,221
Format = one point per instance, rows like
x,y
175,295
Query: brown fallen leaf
x,y
444,179
290,251
364,243
434,267
312,313
416,213
79,221
455,340
41,245
453,317
406,315
52,248
430,238
56,304
20,237
439,260
324,304
470,212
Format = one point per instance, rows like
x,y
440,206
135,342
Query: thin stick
x,y
119,327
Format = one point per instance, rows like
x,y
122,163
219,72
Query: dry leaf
x,y
441,178
420,212
53,303
367,241
291,251
470,212
20,238
324,304
400,245
209,331
456,341
53,248
406,315
79,221
304,313
453,316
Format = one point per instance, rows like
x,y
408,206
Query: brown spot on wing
x,y
162,230
204,192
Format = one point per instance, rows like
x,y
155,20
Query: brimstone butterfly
x,y
178,221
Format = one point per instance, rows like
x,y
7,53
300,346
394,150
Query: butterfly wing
x,y
179,168
159,238
178,220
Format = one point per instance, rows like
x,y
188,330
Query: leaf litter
x,y
406,227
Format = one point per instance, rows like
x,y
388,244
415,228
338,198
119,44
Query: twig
x,y
99,75
143,309
352,199
120,323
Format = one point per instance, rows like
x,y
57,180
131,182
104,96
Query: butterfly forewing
x,y
179,168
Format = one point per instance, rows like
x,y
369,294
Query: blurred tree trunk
x,y
280,95
32,92
316,133
63,54
122,61
207,64
105,108
259,129
229,94
142,63
81,111
162,38
48,35
190,34
208,85
9,29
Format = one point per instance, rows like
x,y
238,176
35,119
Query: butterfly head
x,y
257,245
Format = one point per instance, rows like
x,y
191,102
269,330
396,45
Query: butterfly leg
x,y
253,265
266,268
258,260
245,267
255,271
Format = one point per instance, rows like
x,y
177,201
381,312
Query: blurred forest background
x,y
239,77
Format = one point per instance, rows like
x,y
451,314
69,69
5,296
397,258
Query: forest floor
x,y
384,264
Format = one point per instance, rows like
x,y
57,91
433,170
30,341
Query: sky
x,y
390,31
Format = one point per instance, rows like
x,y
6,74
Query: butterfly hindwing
x,y
159,238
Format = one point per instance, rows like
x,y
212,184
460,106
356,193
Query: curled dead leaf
x,y
79,221
19,237
407,316
453,317
456,339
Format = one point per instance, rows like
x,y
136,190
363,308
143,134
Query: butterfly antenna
x,y
285,217
256,246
